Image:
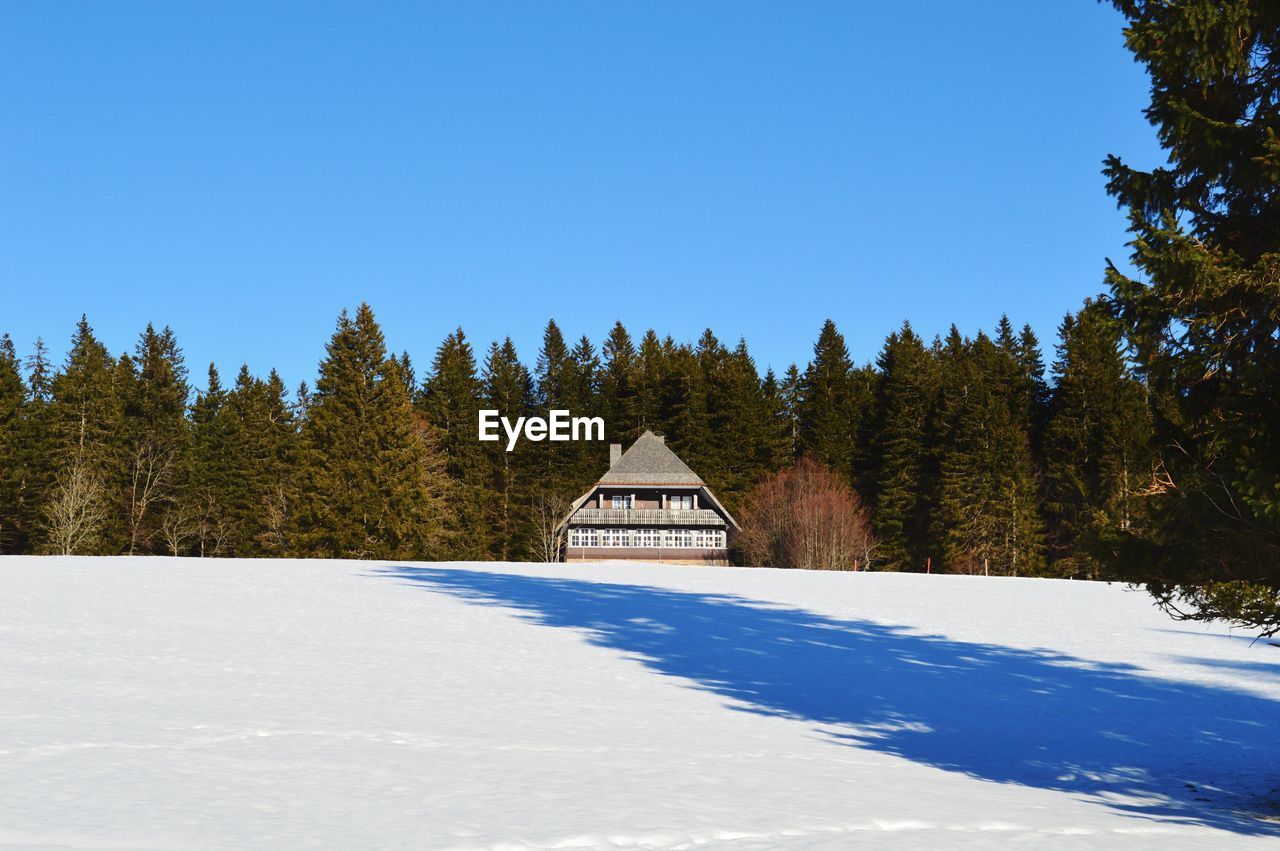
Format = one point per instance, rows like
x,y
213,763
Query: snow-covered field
x,y
162,703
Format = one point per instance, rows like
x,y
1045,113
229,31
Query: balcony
x,y
646,517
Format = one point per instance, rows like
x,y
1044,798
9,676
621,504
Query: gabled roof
x,y
650,462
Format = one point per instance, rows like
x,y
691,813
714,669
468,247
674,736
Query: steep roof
x,y
650,462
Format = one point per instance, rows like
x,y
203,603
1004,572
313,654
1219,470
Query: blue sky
x,y
243,171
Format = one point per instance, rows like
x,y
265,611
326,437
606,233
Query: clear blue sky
x,y
243,171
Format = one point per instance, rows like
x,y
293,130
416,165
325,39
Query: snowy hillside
x,y
161,703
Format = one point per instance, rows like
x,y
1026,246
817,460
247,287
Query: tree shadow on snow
x,y
1149,747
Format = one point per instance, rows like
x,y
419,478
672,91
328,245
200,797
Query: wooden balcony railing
x,y
647,517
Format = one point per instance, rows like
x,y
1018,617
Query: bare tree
x,y
275,521
150,475
806,516
549,511
77,512
178,525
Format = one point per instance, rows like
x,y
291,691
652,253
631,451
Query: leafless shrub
x,y
806,516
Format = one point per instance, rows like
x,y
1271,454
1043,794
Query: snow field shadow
x,y
1144,746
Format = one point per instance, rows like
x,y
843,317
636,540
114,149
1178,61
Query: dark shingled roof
x,y
650,462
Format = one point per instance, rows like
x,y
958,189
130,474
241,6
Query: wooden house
x,y
648,506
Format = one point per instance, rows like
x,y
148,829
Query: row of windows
x,y
667,538
675,503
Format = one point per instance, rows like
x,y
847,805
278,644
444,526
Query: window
x,y
709,538
621,502
584,538
681,503
679,538
649,537
614,538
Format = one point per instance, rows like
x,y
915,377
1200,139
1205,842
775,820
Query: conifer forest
x,y
969,453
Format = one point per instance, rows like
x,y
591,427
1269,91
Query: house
x,y
648,506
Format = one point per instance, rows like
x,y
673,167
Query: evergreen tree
x,y
372,486
742,450
39,374
650,372
906,397
988,504
508,388
1204,318
827,419
619,389
1098,457
450,400
156,434
552,369
554,463
204,517
77,435
683,418
14,533
582,396
781,431
789,394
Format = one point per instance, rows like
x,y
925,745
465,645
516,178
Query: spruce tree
x,y
156,434
683,418
988,502
508,387
80,445
582,396
619,391
1098,453
651,369
203,517
1204,315
553,463
371,485
906,396
781,431
450,400
14,533
827,418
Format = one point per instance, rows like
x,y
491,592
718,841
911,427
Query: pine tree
x,y
372,486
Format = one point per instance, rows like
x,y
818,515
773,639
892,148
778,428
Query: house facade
x,y
648,506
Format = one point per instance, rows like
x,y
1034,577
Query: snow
x,y
166,703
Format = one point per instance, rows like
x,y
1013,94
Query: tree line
x,y
968,456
